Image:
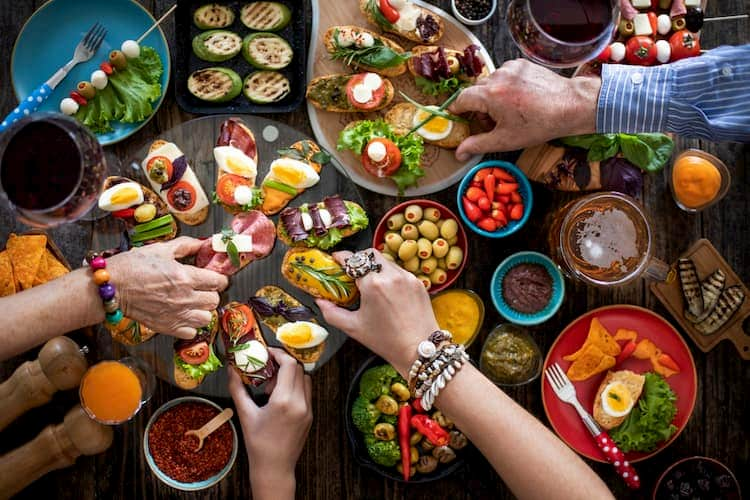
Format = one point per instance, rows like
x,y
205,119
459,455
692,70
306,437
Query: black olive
x,y
694,19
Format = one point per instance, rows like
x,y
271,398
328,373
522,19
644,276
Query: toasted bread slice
x,y
149,196
181,378
275,200
450,54
283,235
401,118
339,287
185,381
129,332
342,103
364,7
632,381
330,44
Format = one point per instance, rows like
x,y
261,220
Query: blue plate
x,y
519,318
50,35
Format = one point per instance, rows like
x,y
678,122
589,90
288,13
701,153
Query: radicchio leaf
x,y
179,166
618,174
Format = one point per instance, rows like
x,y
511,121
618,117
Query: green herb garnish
x,y
331,282
378,56
280,186
444,86
234,254
442,107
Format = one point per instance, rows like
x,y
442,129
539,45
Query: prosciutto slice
x,y
318,226
236,134
291,218
254,223
339,214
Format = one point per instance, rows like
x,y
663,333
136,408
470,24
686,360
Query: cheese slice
x,y
692,3
172,152
642,25
252,358
641,4
243,242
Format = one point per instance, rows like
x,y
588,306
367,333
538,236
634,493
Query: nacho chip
x,y
55,268
623,334
600,337
41,273
645,349
7,281
591,361
25,254
661,369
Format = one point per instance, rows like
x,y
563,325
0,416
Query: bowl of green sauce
x,y
510,356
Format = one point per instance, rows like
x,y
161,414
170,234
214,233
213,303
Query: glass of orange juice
x,y
112,392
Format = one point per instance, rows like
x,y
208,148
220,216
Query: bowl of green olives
x,y
427,239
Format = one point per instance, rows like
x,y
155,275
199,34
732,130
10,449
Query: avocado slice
x,y
267,51
215,84
217,45
265,16
212,16
263,87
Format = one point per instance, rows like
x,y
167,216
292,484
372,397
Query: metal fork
x,y
563,388
84,51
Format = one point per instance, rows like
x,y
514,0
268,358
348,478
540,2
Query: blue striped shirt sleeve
x,y
706,97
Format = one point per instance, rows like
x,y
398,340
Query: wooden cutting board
x,y
441,167
707,259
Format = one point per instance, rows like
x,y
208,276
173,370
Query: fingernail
x,y
462,156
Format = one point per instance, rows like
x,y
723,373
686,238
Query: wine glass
x,y
562,33
51,169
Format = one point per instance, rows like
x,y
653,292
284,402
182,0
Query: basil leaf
x,y
636,151
662,146
321,157
290,153
234,255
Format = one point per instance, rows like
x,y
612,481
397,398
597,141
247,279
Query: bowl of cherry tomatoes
x,y
495,199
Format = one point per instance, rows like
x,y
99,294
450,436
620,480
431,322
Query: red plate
x,y
563,417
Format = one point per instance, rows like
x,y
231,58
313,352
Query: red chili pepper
x,y
404,433
78,98
484,203
506,188
654,23
125,213
626,352
515,197
107,68
481,174
605,54
474,193
516,213
430,429
488,224
417,404
389,12
472,211
500,217
503,175
666,360
489,185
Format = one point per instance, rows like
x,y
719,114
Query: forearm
x,y
55,308
273,485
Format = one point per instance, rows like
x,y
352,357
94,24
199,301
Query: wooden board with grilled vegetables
x,y
707,298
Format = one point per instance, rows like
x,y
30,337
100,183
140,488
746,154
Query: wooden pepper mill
x,y
59,367
56,447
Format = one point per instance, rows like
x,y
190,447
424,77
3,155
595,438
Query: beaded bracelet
x,y
436,365
107,291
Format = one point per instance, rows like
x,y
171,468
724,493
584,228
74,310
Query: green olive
x,y
400,391
409,232
449,229
424,248
413,213
425,281
678,23
145,212
384,431
626,27
429,265
440,248
453,65
389,257
387,405
393,241
158,172
428,229
407,250
118,59
414,455
395,221
432,214
415,438
437,276
86,90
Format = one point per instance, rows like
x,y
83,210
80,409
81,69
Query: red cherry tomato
x,y
125,213
78,98
227,185
474,193
605,54
484,203
389,12
164,161
388,165
238,320
667,361
516,213
640,50
626,352
195,354
684,44
107,68
182,196
377,94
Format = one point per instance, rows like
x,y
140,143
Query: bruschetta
x,y
404,18
318,274
346,93
171,176
236,155
297,169
321,225
438,70
365,50
440,131
247,351
195,358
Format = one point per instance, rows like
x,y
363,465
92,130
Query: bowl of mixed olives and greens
x,y
376,427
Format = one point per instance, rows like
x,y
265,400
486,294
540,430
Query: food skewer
x,y
726,18
157,23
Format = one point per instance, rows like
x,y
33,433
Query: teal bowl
x,y
519,318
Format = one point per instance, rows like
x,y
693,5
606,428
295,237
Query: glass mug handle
x,y
657,270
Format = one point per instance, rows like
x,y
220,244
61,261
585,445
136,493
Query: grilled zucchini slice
x,y
215,84
263,87
217,45
212,16
265,16
267,51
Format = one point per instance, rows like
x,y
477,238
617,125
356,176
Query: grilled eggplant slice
x,y
212,16
265,16
691,286
711,289
729,302
215,84
267,51
263,87
217,45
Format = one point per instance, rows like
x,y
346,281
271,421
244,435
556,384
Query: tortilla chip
x,y
600,337
41,273
591,361
623,334
661,369
55,268
7,281
645,349
26,253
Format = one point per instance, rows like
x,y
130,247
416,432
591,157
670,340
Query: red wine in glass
x,y
562,33
51,169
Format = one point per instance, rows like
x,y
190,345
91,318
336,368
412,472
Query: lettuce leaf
x,y
357,216
650,422
198,371
444,86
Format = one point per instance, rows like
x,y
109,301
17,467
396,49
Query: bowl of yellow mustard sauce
x,y
461,312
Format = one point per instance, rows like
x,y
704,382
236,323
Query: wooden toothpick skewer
x,y
157,23
726,18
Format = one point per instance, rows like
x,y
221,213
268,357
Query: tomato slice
x,y
227,185
165,161
377,94
195,354
389,12
182,196
238,320
388,165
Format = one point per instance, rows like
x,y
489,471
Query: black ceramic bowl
x,y
700,477
358,443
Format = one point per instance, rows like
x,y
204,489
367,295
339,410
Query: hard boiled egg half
x,y
436,129
617,400
294,173
234,161
301,334
121,196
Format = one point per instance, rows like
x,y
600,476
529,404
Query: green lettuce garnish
x,y
444,86
649,152
411,147
198,371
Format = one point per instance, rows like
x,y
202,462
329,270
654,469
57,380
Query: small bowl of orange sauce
x,y
698,180
112,392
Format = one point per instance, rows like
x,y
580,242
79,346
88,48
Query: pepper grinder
x,y
60,366
57,446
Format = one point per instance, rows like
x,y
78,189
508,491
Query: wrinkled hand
x,y
394,315
163,294
275,433
525,105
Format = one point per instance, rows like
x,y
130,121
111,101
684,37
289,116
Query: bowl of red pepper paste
x,y
171,455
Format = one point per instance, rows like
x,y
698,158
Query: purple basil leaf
x,y
179,166
262,306
298,313
618,174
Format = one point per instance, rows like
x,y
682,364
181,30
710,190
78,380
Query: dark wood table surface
x,y
327,469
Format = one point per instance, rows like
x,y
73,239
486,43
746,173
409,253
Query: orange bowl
x,y
378,240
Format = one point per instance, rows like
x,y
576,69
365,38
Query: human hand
x,y
526,105
394,314
275,433
163,294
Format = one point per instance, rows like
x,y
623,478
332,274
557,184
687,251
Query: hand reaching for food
x,y
526,104
275,433
163,294
394,315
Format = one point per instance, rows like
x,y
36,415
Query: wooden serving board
x,y
441,167
707,259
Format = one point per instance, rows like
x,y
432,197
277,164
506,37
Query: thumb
x,y
246,407
184,246
343,319
477,144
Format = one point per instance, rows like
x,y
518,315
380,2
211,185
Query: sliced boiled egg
x,y
301,334
617,400
294,173
234,161
121,196
251,357
434,130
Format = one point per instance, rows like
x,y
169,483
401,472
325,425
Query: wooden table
x,y
327,469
